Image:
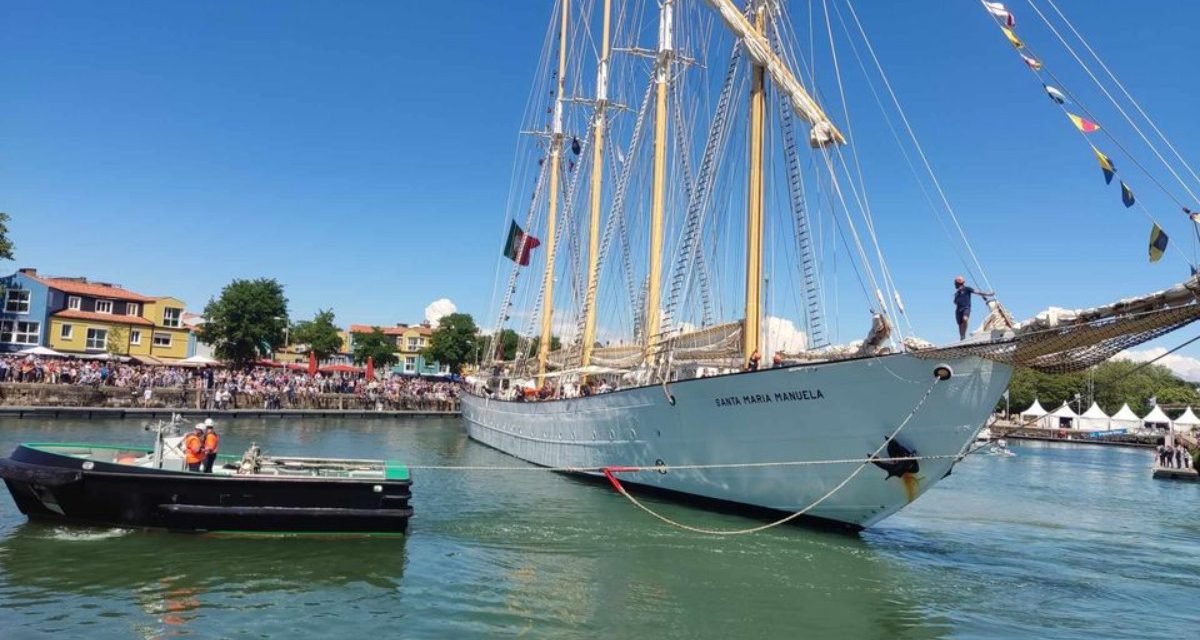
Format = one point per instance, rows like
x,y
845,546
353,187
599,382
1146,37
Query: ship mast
x,y
658,190
589,305
556,139
752,329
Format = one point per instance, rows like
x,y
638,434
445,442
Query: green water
x,y
1058,542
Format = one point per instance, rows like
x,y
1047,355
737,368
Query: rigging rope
x,y
921,152
1113,100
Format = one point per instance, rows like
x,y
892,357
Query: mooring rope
x,y
788,518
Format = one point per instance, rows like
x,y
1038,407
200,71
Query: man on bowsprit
x,y
962,304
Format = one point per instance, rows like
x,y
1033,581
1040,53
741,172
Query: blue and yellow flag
x,y
1158,243
1106,166
1126,195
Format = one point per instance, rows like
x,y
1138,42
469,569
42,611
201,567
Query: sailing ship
x,y
690,154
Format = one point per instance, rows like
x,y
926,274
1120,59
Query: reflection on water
x,y
1055,539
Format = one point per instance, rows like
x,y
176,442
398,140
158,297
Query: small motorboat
x,y
999,447
131,487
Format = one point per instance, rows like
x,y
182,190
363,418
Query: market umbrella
x,y
41,351
370,367
312,363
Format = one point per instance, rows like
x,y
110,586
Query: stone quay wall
x,y
19,394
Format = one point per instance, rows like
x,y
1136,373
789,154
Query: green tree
x,y
555,344
377,345
6,245
1114,383
117,341
454,343
505,346
320,334
246,321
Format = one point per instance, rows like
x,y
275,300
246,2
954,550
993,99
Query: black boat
x,y
138,487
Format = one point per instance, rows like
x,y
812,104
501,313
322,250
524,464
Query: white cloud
x,y
439,309
1185,367
783,335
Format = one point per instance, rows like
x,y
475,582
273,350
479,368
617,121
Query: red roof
x,y
93,289
388,331
103,317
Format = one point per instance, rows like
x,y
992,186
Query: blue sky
x,y
361,153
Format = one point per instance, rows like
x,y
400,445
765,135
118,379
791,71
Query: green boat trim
x,y
395,470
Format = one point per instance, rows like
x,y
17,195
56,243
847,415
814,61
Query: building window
x,y
162,339
135,336
20,332
97,338
74,302
17,301
171,317
415,343
104,306
410,364
131,308
65,331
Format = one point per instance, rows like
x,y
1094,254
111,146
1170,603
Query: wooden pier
x,y
88,413
1185,475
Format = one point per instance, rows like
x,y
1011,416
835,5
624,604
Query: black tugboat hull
x,y
51,486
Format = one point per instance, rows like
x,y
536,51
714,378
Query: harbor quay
x,y
21,398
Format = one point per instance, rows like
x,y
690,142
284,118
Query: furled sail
x,y
1062,340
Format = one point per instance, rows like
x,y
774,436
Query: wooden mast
x,y
752,329
589,305
552,209
658,191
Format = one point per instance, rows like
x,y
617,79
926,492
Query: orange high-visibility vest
x,y
211,441
192,449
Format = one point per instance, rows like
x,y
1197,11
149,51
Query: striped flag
x,y
1158,243
1083,124
1031,62
1106,166
1000,11
1126,195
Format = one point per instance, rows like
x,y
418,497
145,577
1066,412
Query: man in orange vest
x,y
193,448
212,442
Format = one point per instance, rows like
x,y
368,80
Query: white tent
x,y
1034,412
1062,418
41,351
1125,418
1187,422
1156,419
198,361
1094,419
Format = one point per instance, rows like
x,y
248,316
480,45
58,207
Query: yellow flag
x,y
1012,37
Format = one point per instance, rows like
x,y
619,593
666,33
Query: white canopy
x,y
1062,416
1156,417
41,351
1187,421
1094,419
1125,418
1035,410
199,361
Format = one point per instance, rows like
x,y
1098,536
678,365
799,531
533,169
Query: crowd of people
x,y
1174,456
219,388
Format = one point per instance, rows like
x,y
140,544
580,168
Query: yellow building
x,y
98,317
170,339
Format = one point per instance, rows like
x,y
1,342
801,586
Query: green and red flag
x,y
519,244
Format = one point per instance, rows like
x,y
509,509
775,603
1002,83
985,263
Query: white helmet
x,y
208,422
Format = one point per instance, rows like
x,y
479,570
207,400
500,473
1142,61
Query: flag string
x,y
1087,124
